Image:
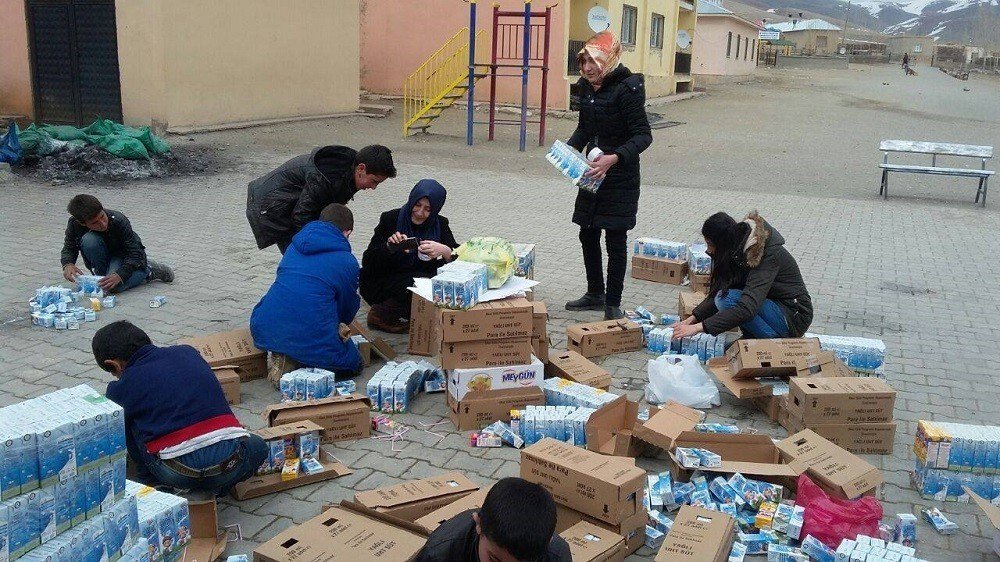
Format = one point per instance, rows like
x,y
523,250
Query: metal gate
x,y
74,60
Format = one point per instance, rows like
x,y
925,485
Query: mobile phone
x,y
406,244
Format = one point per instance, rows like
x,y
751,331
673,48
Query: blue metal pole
x,y
470,112
524,73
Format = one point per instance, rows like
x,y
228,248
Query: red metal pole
x,y
493,72
545,77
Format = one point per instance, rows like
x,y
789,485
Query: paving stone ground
x,y
918,271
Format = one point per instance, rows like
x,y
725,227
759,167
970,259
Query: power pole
x,y
847,13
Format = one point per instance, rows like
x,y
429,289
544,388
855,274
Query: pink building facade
x,y
725,45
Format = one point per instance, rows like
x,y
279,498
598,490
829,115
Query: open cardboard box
x,y
572,366
610,430
340,418
348,531
539,320
479,409
379,345
229,379
687,302
659,270
632,529
839,472
207,544
435,518
751,358
698,535
414,499
232,348
754,456
590,543
667,424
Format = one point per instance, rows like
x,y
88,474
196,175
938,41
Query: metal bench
x,y
936,149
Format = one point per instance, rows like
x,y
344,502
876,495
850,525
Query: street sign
x,y
768,35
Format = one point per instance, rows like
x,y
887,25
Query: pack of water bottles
x,y
704,346
312,384
864,355
564,392
164,522
659,248
88,286
565,423
572,164
393,387
699,262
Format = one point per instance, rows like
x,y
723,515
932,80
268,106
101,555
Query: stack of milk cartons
x,y
950,456
525,254
704,346
459,284
53,307
62,457
565,423
393,387
164,522
864,355
311,384
564,392
573,164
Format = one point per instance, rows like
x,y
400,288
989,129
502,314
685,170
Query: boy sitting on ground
x,y
516,523
109,246
314,292
179,429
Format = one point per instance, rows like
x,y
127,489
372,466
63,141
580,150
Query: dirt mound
x,y
92,164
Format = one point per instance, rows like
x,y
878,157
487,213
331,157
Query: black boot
x,y
613,313
589,301
160,272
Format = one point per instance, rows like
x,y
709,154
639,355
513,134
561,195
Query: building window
x,y
746,47
630,18
656,31
729,45
917,48
753,49
821,42
739,39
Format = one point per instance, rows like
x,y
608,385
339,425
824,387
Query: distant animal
x,y
910,71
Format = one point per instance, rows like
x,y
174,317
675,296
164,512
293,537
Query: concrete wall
x,y
15,73
711,40
814,42
188,63
909,44
794,61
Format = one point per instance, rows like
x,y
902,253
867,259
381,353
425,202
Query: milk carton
x,y
92,483
10,462
182,519
97,549
149,532
78,509
46,509
26,447
167,526
118,465
107,482
65,495
56,450
18,526
4,533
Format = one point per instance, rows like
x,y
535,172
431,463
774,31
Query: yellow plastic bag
x,y
497,254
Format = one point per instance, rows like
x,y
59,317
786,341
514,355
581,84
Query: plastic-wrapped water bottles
x,y
699,261
659,248
865,355
87,285
573,165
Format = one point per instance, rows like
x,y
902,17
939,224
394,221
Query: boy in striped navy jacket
x,y
180,430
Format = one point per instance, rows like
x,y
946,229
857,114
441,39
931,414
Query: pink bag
x,y
831,519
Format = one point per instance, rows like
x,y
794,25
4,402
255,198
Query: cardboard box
x,y
857,438
435,518
610,429
479,409
414,499
344,533
233,348
742,388
825,364
667,424
379,346
837,471
494,320
773,406
229,379
632,529
575,367
604,338
425,337
207,543
698,534
660,270
481,379
699,282
992,513
686,303
540,349
263,484
770,358
492,353
597,485
754,456
838,400
539,320
590,543
365,349
340,418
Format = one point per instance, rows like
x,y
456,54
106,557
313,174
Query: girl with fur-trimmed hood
x,y
755,283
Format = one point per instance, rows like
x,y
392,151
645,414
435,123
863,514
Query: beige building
x,y
184,64
919,47
811,37
727,45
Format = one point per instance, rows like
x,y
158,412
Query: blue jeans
x,y
769,322
152,470
99,262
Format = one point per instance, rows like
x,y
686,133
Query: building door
x,y
74,60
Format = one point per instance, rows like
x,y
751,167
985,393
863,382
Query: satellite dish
x,y
683,39
599,19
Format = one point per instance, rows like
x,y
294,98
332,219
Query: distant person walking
x,y
906,60
613,119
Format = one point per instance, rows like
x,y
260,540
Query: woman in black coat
x,y
387,273
612,119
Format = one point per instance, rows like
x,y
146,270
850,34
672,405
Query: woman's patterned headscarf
x,y
605,49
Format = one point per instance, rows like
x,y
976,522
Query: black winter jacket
x,y
280,203
456,540
614,120
771,273
120,239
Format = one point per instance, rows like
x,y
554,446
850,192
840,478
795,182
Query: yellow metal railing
x,y
445,70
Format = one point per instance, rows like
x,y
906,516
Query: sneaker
x,y
395,326
160,272
589,301
613,313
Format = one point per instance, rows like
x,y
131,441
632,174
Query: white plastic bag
x,y
680,378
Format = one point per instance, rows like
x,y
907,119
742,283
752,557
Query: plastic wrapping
x,y
497,254
682,379
832,520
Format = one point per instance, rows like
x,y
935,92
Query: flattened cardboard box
x,y
232,348
435,518
659,270
413,499
590,543
539,320
344,534
263,484
229,379
595,339
495,353
479,409
770,358
837,471
493,320
687,302
857,438
340,418
750,455
816,400
425,335
699,535
597,485
632,529
575,367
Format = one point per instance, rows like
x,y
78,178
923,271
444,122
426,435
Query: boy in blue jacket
x,y
314,292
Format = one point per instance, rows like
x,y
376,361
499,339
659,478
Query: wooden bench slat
x,y
942,148
936,170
